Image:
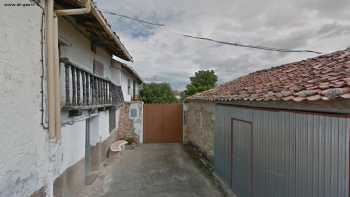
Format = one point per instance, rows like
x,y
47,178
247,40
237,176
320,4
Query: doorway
x,y
242,158
163,123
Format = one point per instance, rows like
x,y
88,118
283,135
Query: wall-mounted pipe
x,y
57,81
79,11
51,84
54,104
89,9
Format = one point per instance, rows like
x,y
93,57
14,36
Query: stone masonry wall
x,y
126,128
199,126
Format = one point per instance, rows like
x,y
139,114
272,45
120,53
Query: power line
x,y
254,46
134,18
236,44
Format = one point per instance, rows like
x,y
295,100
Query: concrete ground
x,y
153,170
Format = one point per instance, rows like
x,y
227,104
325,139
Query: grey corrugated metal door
x,y
294,154
241,158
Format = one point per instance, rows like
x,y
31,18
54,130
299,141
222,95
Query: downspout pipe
x,y
54,103
51,84
79,11
88,9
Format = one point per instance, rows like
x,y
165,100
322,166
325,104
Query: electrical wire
x,y
78,119
134,18
43,123
254,46
236,44
37,2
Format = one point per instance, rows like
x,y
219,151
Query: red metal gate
x,y
162,123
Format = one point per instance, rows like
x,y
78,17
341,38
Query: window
x,y
133,113
133,88
93,47
112,119
129,86
98,68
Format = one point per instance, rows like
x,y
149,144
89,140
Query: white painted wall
x,y
23,142
124,84
137,120
79,52
79,48
120,77
138,87
72,144
94,121
29,160
103,125
106,59
117,116
116,75
99,128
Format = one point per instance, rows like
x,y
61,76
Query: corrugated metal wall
x,y
242,164
293,154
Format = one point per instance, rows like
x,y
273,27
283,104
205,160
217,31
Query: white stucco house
x,y
129,80
60,95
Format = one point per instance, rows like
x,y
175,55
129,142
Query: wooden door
x,y
162,123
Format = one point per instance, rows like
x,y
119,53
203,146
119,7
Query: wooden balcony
x,y
84,90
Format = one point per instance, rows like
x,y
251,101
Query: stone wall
x,y
199,126
126,130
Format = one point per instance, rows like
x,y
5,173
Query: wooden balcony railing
x,y
84,90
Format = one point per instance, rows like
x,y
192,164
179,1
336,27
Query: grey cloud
x,y
161,55
154,78
333,8
333,29
177,80
233,68
293,40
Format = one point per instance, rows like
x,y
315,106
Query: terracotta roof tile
x,y
324,77
346,96
314,98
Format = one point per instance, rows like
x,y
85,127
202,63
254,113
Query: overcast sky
x,y
160,55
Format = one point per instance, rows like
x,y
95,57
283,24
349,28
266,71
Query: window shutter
x,y
98,68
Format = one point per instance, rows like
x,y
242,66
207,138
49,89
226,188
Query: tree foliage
x,y
157,93
201,81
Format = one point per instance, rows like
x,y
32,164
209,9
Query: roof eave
x,y
129,69
133,72
126,55
336,106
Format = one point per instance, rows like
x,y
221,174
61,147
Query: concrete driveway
x,y
157,170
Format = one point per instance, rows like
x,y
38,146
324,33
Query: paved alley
x,y
157,170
